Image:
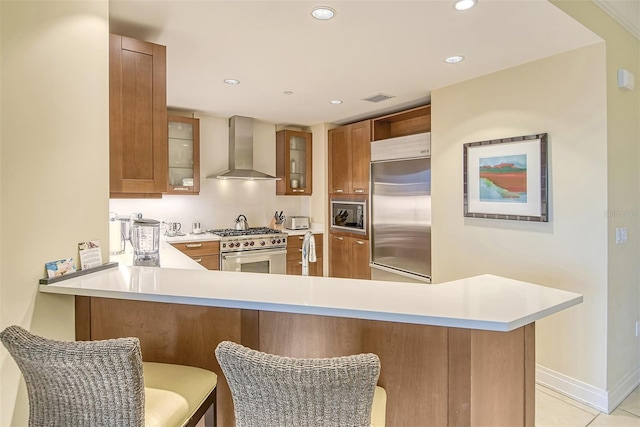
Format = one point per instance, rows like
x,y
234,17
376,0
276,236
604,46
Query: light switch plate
x,y
621,235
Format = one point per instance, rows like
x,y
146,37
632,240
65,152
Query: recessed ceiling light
x,y
323,13
232,81
464,4
335,102
454,59
288,92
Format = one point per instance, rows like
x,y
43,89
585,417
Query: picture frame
x,y
506,178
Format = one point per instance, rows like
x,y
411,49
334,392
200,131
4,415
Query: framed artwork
x,y
506,178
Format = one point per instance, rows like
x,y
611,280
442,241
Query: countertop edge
x,y
568,300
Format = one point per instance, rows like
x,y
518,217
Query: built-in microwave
x,y
349,215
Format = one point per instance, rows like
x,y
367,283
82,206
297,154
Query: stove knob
x,y
237,244
262,243
273,242
246,243
252,243
278,241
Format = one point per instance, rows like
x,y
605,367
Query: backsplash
x,y
221,201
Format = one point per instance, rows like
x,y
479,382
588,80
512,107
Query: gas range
x,y
232,240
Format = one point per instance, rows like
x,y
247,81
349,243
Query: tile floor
x,y
556,410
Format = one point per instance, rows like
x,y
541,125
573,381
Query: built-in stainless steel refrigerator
x,y
400,208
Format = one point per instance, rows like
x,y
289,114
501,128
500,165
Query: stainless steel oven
x,y
254,250
273,261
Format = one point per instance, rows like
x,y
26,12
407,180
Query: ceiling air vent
x,y
378,97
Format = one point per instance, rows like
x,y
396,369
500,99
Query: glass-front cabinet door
x,y
184,155
293,163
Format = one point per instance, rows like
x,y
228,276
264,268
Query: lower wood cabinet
x,y
205,253
294,256
348,257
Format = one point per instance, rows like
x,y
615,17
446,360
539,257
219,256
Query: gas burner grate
x,y
231,232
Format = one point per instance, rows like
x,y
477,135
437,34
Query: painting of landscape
x,y
503,179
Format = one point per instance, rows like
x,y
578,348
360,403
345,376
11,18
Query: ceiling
x,y
369,47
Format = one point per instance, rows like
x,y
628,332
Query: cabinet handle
x,y
181,189
193,245
338,238
358,190
298,191
338,190
300,262
299,250
301,238
360,242
197,259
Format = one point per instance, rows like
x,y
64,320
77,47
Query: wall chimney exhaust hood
x,y
241,152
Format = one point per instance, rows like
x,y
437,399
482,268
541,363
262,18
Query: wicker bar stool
x,y
270,390
106,383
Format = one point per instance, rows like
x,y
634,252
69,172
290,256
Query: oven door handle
x,y
255,253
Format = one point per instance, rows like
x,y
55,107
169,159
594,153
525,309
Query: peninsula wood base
x,y
434,376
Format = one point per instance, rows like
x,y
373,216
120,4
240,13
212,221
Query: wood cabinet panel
x,y
409,122
349,156
339,161
360,259
206,253
360,134
434,376
172,333
137,117
339,256
348,257
294,256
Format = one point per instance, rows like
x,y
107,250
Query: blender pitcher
x,y
145,239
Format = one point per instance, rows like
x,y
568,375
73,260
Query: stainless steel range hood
x,y
241,152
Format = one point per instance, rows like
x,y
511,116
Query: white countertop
x,y
483,302
170,257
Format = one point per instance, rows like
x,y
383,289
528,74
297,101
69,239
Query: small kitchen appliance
x,y
242,223
296,223
349,215
145,238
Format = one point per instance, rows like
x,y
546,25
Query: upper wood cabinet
x,y
184,155
137,118
293,163
349,157
408,122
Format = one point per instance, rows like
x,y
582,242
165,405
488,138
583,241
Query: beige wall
x,y
54,81
623,154
564,95
591,350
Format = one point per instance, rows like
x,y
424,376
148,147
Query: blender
x,y
145,239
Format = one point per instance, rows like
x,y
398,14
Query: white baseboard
x,y
623,388
602,400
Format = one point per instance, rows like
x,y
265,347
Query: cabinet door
x,y
137,117
360,135
340,256
294,256
184,155
339,161
360,259
294,163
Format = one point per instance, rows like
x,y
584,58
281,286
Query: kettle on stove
x,y
242,223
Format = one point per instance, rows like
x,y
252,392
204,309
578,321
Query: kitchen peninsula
x,y
456,353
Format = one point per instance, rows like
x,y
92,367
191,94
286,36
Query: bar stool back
x,y
102,383
269,390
